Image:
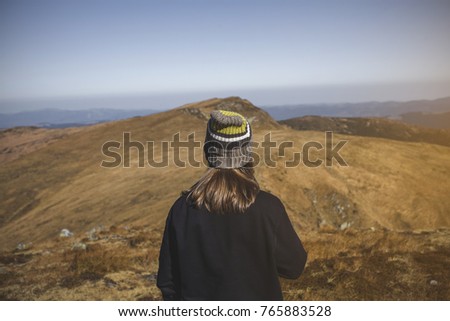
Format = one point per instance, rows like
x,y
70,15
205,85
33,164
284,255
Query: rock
x,y
150,277
92,235
20,246
23,246
325,227
65,233
433,282
79,247
345,225
115,237
109,283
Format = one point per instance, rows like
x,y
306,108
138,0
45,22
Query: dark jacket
x,y
207,256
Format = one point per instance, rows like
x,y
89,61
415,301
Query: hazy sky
x,y
154,53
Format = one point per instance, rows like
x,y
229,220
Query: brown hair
x,y
223,190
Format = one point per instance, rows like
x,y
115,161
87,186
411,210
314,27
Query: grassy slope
x,y
122,264
388,184
372,127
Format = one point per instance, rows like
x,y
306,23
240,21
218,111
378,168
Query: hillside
x,y
386,189
430,110
19,141
120,263
371,127
433,120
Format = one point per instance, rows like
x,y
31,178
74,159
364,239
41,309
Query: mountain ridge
x,y
377,229
389,109
371,127
44,191
420,112
54,117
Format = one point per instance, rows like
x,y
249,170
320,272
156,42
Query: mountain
x,y
390,109
428,113
435,120
18,141
53,187
375,229
371,127
59,118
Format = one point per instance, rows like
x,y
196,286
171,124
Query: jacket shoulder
x,y
177,207
270,201
268,197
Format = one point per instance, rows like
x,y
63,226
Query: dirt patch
x,y
15,258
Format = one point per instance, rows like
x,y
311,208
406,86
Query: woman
x,y
225,239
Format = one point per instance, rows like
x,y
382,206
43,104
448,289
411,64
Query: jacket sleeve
x,y
289,252
168,274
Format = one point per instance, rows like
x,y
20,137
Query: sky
x,y
160,54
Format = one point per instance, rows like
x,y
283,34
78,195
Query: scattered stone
x,y
20,246
433,282
345,225
65,233
92,235
372,229
339,208
150,277
79,247
24,246
116,237
325,227
110,283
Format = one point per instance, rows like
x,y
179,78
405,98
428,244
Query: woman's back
x,y
209,256
225,239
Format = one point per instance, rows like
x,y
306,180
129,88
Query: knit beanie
x,y
227,141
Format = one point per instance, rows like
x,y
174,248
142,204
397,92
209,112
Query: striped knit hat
x,y
227,142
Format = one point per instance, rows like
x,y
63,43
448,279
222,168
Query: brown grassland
x,y
377,229
343,265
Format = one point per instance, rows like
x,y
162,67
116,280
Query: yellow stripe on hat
x,y
233,130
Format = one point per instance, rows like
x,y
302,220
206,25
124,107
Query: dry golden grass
x,y
390,184
374,265
394,187
19,141
122,265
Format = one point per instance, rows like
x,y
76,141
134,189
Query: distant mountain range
x,y
371,127
60,118
429,113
